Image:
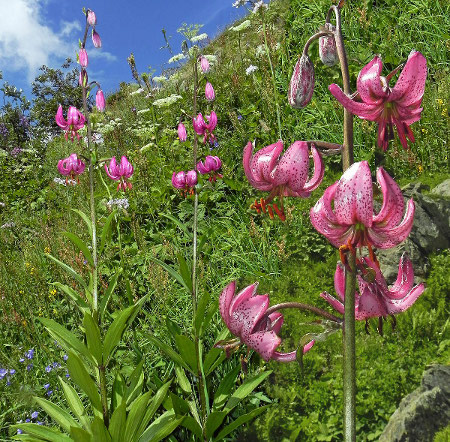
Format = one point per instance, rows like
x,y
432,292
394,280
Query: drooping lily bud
x,y
327,47
100,100
191,178
179,180
182,134
96,40
83,58
209,92
301,87
91,18
204,65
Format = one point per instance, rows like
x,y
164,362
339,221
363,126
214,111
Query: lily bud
x,y
301,87
96,40
209,92
100,100
182,134
91,18
327,47
83,58
191,178
83,78
204,65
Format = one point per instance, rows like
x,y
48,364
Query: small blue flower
x,y
49,392
46,386
65,357
8,383
35,414
19,431
48,369
21,360
29,367
239,117
56,365
27,420
30,353
3,372
40,423
12,371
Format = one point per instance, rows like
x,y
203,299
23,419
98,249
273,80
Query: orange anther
x,y
270,212
279,212
263,205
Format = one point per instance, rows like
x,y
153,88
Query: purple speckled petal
x,y
247,314
225,300
370,304
395,306
242,296
292,169
263,342
369,84
410,85
319,171
388,237
405,279
353,198
391,211
363,110
291,356
337,305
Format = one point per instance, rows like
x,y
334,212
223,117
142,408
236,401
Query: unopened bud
x,y
96,40
91,18
209,92
83,58
204,65
182,135
301,87
83,78
327,47
100,101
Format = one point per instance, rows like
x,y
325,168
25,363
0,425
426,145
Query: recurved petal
x,y
391,211
387,237
370,304
339,281
363,110
410,85
319,171
254,180
225,299
405,279
395,306
292,169
369,84
62,167
337,305
264,343
243,295
353,198
59,118
291,356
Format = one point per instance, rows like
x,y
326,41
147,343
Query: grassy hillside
x,y
290,260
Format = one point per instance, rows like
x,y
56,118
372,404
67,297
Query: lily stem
x,y
301,306
349,345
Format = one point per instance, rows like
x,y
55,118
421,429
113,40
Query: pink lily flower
x,y
210,95
201,128
375,298
83,58
75,121
96,40
399,106
210,166
352,221
182,134
244,315
100,101
185,181
285,176
121,172
71,166
204,64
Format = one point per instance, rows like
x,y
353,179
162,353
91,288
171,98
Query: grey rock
x,y
430,232
424,412
442,189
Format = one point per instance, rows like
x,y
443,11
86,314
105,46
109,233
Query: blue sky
x,y
37,32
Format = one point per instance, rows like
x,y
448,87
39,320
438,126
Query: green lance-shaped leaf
x,y
224,389
66,338
152,408
179,223
106,230
118,421
71,272
136,383
214,421
135,415
93,337
187,350
172,272
241,420
200,313
99,431
43,433
245,389
215,356
193,426
182,380
75,404
118,395
80,435
86,219
59,415
80,245
161,427
72,294
81,377
107,295
185,271
169,351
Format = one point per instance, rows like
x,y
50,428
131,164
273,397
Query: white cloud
x,y
27,42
